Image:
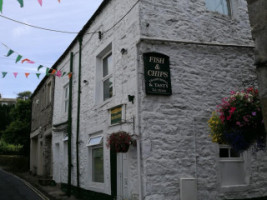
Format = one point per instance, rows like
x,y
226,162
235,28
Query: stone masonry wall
x,y
175,134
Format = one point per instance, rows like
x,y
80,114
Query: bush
x,y
10,149
14,163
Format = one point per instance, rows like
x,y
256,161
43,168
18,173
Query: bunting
x,y
21,3
15,74
28,61
40,2
18,58
27,74
38,75
1,5
58,74
9,52
40,66
4,74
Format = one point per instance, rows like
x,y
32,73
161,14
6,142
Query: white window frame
x,y
232,163
229,7
108,76
96,186
66,98
99,81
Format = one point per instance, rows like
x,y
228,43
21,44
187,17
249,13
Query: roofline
x,y
80,34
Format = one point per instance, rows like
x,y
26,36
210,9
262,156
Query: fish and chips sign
x,y
116,115
157,74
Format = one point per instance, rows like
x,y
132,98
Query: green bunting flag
x,y
21,3
9,52
1,5
64,73
38,75
40,66
47,71
4,74
18,58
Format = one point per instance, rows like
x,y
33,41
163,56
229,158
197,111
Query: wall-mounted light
x,y
123,51
131,98
85,82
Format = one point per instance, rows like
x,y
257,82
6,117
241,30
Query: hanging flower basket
x,y
120,141
238,121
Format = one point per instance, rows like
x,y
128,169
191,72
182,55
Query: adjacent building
x,y
7,101
163,66
41,128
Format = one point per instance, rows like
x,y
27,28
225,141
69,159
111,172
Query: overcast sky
x,y
41,46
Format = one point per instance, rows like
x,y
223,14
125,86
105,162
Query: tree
x,y
18,131
24,95
5,117
257,10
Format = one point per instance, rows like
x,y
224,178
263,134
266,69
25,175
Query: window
x,y
107,77
49,93
96,160
232,167
65,140
220,6
66,98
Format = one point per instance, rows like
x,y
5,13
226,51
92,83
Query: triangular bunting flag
x,y
21,3
9,52
15,74
53,71
1,5
64,73
27,60
58,74
38,75
18,58
70,75
59,1
40,2
47,71
27,74
4,74
40,66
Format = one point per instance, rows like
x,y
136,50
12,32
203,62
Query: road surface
x,y
12,188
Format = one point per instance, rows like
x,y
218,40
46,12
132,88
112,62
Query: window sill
x,y
231,188
102,104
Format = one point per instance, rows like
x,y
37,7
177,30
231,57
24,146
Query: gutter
x,y
70,126
78,115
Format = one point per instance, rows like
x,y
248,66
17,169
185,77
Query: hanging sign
x,y
157,74
116,115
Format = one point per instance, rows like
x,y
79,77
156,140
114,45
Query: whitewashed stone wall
x,y
175,135
94,115
174,132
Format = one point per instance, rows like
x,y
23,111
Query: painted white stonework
x,y
173,130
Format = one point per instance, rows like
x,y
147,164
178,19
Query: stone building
x,y
41,128
7,101
200,51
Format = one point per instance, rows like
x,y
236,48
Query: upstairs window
x,y
220,6
66,98
107,77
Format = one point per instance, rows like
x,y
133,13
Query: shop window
x,y
232,167
96,159
220,6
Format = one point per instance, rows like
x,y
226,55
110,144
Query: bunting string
x,y
21,3
27,74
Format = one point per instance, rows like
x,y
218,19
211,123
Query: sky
x,y
42,47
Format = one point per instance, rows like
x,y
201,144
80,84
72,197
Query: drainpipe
x,y
78,115
70,126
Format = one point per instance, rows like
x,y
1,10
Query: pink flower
x,y
232,109
254,113
238,123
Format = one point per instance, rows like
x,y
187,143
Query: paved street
x,y
11,188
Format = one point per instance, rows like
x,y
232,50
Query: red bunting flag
x,y
53,71
70,75
27,74
28,61
40,2
15,74
58,1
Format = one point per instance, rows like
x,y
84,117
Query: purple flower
x,y
254,113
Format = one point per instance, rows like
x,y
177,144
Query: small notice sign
x,y
157,74
116,115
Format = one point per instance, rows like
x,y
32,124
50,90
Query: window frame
x,y
228,5
66,99
108,76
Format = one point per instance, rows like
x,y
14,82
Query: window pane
x,y
95,141
98,165
224,153
108,89
220,6
107,65
234,154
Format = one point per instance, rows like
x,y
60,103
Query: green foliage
x,y
18,131
5,117
9,149
24,95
